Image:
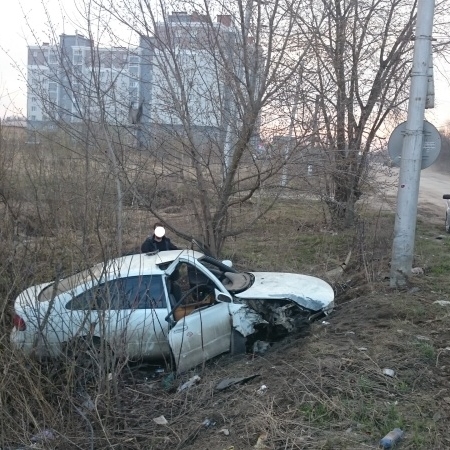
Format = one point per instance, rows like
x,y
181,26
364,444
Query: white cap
x,y
160,232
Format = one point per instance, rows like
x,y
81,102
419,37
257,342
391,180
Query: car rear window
x,y
140,292
89,276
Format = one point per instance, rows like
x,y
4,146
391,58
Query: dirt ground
x,y
323,389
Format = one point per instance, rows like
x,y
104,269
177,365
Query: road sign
x,y
431,144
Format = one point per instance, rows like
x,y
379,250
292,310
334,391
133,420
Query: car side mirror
x,y
227,263
446,196
224,298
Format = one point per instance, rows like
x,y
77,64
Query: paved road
x,y
432,185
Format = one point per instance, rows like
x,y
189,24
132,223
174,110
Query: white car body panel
x,y
309,292
202,335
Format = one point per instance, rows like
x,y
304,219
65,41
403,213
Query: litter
x,y
442,302
208,423
389,372
391,438
423,338
161,420
260,443
262,390
191,382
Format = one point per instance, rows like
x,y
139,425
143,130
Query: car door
x,y
128,313
203,332
201,335
137,319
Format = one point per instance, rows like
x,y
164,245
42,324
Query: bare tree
x,y
213,82
359,64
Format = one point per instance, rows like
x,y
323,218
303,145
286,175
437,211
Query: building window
x,y
33,117
33,99
33,108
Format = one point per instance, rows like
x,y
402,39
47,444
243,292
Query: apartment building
x,y
186,67
75,81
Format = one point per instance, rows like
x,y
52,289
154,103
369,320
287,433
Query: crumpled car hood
x,y
309,292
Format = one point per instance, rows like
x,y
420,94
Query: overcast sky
x,y
25,23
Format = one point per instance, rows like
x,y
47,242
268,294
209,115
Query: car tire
x,y
238,343
447,223
88,359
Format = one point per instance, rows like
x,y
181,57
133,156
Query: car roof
x,y
125,266
148,263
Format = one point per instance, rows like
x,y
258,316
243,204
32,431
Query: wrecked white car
x,y
179,304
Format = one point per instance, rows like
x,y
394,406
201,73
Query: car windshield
x,y
71,282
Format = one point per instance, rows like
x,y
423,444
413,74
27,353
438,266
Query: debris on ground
x,y
208,423
160,420
227,382
262,390
260,443
260,347
392,438
47,434
190,383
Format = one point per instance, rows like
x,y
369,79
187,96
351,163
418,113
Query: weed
x,y
426,350
316,412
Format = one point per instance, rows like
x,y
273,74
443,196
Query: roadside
x,y
432,186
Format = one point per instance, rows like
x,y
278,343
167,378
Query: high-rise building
x,y
186,66
75,81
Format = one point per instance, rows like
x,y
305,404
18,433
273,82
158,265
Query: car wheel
x,y
447,223
88,359
238,343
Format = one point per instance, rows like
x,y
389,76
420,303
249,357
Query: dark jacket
x,y
152,245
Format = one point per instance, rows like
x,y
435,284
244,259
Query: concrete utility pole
x,y
411,160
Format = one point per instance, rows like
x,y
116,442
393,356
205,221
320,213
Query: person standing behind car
x,y
158,241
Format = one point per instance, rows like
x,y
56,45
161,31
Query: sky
x,y
24,22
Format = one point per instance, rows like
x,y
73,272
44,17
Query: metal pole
x,y
411,160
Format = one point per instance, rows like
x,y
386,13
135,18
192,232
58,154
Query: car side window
x,y
87,300
141,292
144,292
